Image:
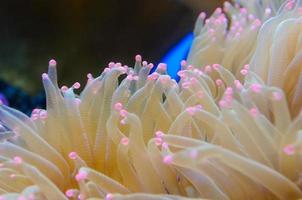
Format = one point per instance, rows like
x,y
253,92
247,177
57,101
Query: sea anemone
x,y
259,34
229,129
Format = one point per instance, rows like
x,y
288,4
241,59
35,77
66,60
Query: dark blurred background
x,y
83,36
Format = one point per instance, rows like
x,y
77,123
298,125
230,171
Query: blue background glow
x,y
176,54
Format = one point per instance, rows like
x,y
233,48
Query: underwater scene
x,y
151,100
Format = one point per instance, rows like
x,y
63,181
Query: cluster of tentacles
x,y
231,128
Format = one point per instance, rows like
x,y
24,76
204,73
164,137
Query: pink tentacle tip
x,y
125,141
73,155
243,11
81,176
111,64
198,107
69,193
218,82
109,196
208,69
200,94
216,67
159,133
244,72
123,113
168,159
289,5
228,98
202,15
277,96
118,106
31,197
44,76
257,22
193,81
145,63
158,141
186,84
165,145
2,198
89,76
130,77
138,58
207,21
18,160
223,104
193,154
268,11
76,85
64,88
254,112
22,198
43,114
135,78
107,69
237,35
183,63
124,69
211,32
153,76
191,110
81,197
123,121
256,87
150,65
218,10
52,63
162,66
36,111
198,72
238,84
229,91
78,101
190,67
289,149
